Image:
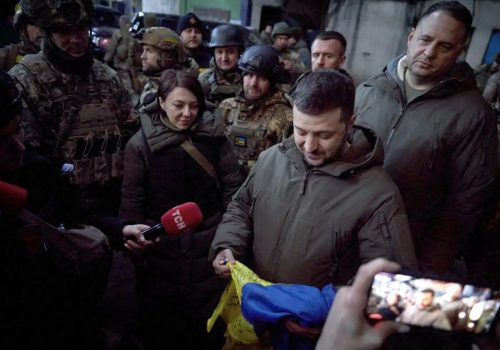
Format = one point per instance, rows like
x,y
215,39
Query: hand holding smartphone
x,y
426,302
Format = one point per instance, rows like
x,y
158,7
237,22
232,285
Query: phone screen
x,y
432,303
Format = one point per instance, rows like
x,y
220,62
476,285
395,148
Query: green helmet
x,y
53,14
281,28
20,20
161,38
168,42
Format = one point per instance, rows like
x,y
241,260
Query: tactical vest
x,y
220,90
246,133
82,118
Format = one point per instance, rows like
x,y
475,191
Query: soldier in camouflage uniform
x,y
223,79
162,50
31,38
76,109
120,57
281,34
256,118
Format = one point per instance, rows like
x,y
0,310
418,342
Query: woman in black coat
x,y
177,289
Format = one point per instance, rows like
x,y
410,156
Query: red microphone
x,y
12,197
178,220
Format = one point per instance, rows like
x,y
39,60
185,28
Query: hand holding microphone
x,y
178,220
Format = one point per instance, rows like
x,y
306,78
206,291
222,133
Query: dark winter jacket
x,y
440,149
316,226
177,288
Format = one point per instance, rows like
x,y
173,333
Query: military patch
x,y
240,141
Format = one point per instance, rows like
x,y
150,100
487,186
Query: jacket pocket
x,y
385,235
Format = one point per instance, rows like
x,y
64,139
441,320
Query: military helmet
x,y
10,99
161,38
20,19
263,60
281,28
54,14
168,42
226,35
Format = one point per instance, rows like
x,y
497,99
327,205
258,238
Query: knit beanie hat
x,y
189,20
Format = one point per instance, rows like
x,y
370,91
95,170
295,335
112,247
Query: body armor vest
x,y
222,88
81,115
247,136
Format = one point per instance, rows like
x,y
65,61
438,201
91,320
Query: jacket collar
x,y
459,78
366,151
158,135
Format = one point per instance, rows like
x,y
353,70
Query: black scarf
x,y
65,63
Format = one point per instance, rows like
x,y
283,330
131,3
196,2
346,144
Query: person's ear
x,y
162,103
341,60
410,36
351,121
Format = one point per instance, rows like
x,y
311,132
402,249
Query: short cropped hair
x,y
428,291
453,9
322,90
332,35
171,79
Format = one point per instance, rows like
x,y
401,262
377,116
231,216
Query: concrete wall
x,y
257,10
377,30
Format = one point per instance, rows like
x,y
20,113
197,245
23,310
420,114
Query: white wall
x,y
161,6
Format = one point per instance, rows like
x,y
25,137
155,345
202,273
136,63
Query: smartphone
x,y
425,302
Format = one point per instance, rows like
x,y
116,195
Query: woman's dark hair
x,y
171,79
322,90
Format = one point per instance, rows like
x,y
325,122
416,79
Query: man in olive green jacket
x,y
439,136
316,206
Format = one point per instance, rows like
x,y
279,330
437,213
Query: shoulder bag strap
x,y
200,159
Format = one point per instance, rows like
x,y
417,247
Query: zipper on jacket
x,y
290,217
335,256
395,126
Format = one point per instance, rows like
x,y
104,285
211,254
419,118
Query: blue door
x,y
493,47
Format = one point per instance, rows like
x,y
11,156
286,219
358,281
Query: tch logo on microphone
x,y
181,218
179,221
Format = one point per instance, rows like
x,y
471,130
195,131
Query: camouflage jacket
x,y
149,93
118,52
297,67
73,119
150,90
10,55
491,92
254,127
218,86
